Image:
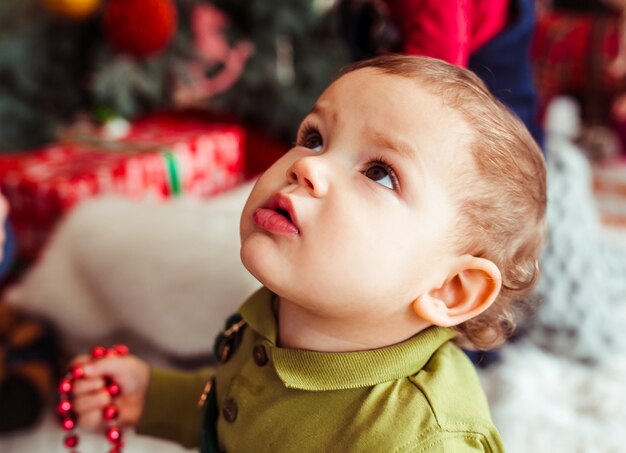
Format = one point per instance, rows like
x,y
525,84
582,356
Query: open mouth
x,y
277,216
284,213
282,206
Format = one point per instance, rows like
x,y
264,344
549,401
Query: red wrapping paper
x,y
161,157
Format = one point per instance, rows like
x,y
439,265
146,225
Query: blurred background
x,y
130,133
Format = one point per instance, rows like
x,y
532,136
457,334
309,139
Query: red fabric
x,y
569,59
447,29
261,151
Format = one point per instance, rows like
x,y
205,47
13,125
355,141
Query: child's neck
x,y
299,328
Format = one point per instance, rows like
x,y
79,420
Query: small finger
x,y
87,385
91,420
92,401
108,366
80,359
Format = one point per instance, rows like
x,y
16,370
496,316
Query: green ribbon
x,y
172,167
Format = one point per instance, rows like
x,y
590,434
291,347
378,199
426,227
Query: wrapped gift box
x,y
160,157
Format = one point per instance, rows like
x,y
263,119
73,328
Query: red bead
x,y
77,372
114,433
121,349
110,412
65,386
68,424
114,389
71,440
97,352
64,407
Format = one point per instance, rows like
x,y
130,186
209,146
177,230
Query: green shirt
x,y
421,395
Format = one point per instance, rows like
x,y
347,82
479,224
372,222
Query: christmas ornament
x,y
213,50
140,27
110,413
72,9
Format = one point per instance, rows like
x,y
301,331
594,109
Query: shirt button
x,y
224,350
229,410
259,355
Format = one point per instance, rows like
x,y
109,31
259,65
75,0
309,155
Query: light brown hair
x,y
502,202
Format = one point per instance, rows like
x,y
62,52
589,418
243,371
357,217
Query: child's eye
x,y
311,138
382,173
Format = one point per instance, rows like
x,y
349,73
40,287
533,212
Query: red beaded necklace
x,y
110,413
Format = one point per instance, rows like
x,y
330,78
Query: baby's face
x,y
354,220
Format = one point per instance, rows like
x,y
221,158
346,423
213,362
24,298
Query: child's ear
x,y
472,287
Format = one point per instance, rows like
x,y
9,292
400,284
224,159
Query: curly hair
x,y
502,203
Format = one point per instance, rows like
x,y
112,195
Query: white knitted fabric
x,y
561,387
583,276
543,403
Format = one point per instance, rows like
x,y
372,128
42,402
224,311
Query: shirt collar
x,y
317,371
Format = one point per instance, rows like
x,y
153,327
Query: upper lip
x,y
282,202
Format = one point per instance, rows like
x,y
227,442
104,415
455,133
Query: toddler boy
x,y
405,221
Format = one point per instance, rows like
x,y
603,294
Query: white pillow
x,y
163,276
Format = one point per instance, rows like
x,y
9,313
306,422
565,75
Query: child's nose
x,y
310,173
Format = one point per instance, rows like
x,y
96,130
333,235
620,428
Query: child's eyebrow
x,y
315,110
320,110
402,147
395,144
380,139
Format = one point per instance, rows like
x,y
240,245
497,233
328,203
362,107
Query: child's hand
x,y
91,397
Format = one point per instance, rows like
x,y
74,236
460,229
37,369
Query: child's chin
x,y
256,260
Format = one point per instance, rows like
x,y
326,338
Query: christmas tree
x,y
297,52
264,62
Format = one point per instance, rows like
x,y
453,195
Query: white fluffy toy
x,y
162,277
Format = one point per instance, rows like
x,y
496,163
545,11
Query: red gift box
x,y
162,156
